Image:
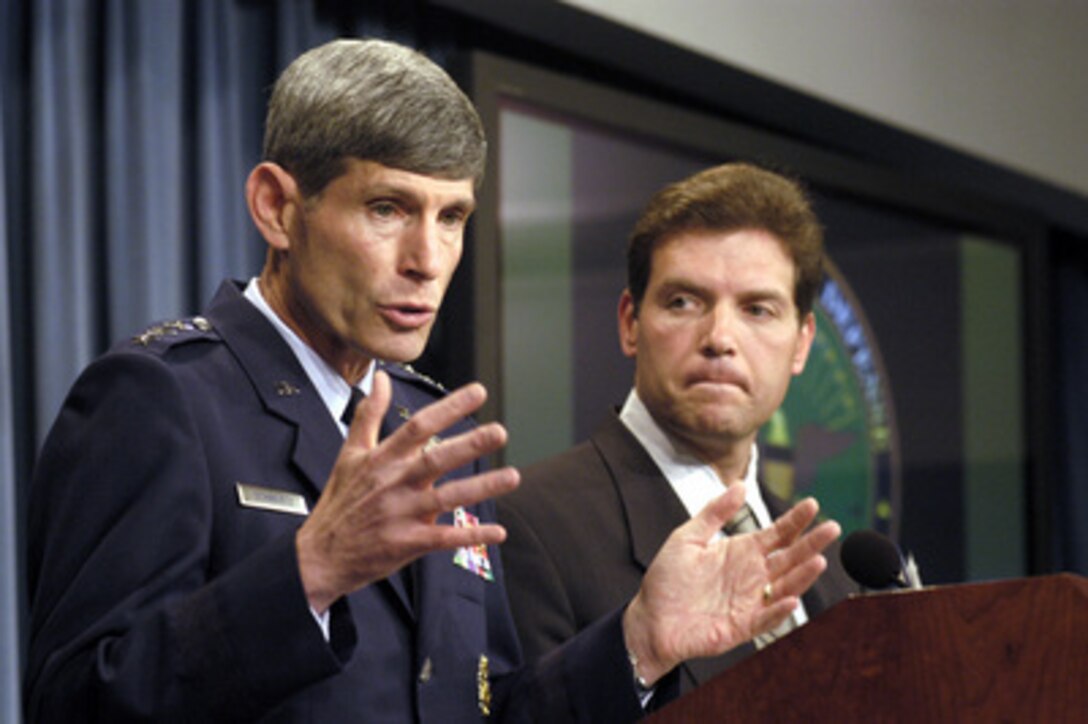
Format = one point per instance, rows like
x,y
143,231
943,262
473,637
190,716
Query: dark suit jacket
x,y
156,595
583,528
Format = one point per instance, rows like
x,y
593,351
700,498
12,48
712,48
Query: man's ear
x,y
274,201
627,319
804,343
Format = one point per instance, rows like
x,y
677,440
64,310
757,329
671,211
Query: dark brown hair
x,y
727,198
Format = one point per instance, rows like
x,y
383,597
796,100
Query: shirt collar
x,y
333,389
694,482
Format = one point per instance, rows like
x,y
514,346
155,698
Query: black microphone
x,y
873,560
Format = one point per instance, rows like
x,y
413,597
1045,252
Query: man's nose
x,y
420,254
719,334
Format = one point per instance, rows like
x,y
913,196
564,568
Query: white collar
x,y
694,482
333,389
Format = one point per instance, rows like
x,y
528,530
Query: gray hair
x,y
372,100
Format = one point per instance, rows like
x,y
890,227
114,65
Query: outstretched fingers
x,y
793,569
439,455
417,532
788,527
775,611
424,424
427,423
464,492
782,593
808,546
380,506
416,449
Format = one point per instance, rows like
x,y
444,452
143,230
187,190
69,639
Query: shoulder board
x,y
410,374
178,330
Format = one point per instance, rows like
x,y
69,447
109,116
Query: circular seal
x,y
834,437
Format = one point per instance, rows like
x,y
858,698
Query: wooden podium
x,y
1009,651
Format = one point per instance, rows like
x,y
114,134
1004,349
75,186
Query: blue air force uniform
x,y
163,575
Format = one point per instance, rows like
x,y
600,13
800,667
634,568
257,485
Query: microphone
x,y
875,562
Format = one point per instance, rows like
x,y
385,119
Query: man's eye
x,y
383,209
679,302
760,310
453,217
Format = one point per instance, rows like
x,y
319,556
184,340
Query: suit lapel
x,y
650,506
279,381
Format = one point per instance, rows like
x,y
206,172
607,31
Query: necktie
x,y
745,522
349,409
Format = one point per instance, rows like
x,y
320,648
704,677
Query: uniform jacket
x,y
157,594
583,528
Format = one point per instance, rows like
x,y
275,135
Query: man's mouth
x,y
717,380
407,315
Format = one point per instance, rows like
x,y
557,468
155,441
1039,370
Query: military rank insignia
x,y
473,558
172,329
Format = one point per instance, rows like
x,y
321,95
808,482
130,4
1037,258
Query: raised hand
x,y
379,508
705,594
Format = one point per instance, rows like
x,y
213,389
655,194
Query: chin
x,y
401,350
399,355
718,426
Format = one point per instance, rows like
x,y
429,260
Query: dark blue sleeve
x,y
126,622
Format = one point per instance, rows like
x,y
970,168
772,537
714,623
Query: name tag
x,y
279,501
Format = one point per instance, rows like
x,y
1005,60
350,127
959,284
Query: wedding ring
x,y
768,593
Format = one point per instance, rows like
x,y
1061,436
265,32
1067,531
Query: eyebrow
x,y
689,286
767,293
674,285
404,191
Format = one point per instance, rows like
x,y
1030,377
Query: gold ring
x,y
768,593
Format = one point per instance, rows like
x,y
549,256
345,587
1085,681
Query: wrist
x,y
318,592
646,665
642,687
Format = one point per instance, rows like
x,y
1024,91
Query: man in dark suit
x,y
220,531
723,269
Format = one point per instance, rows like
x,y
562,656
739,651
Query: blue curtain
x,y
9,611
11,336
127,128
